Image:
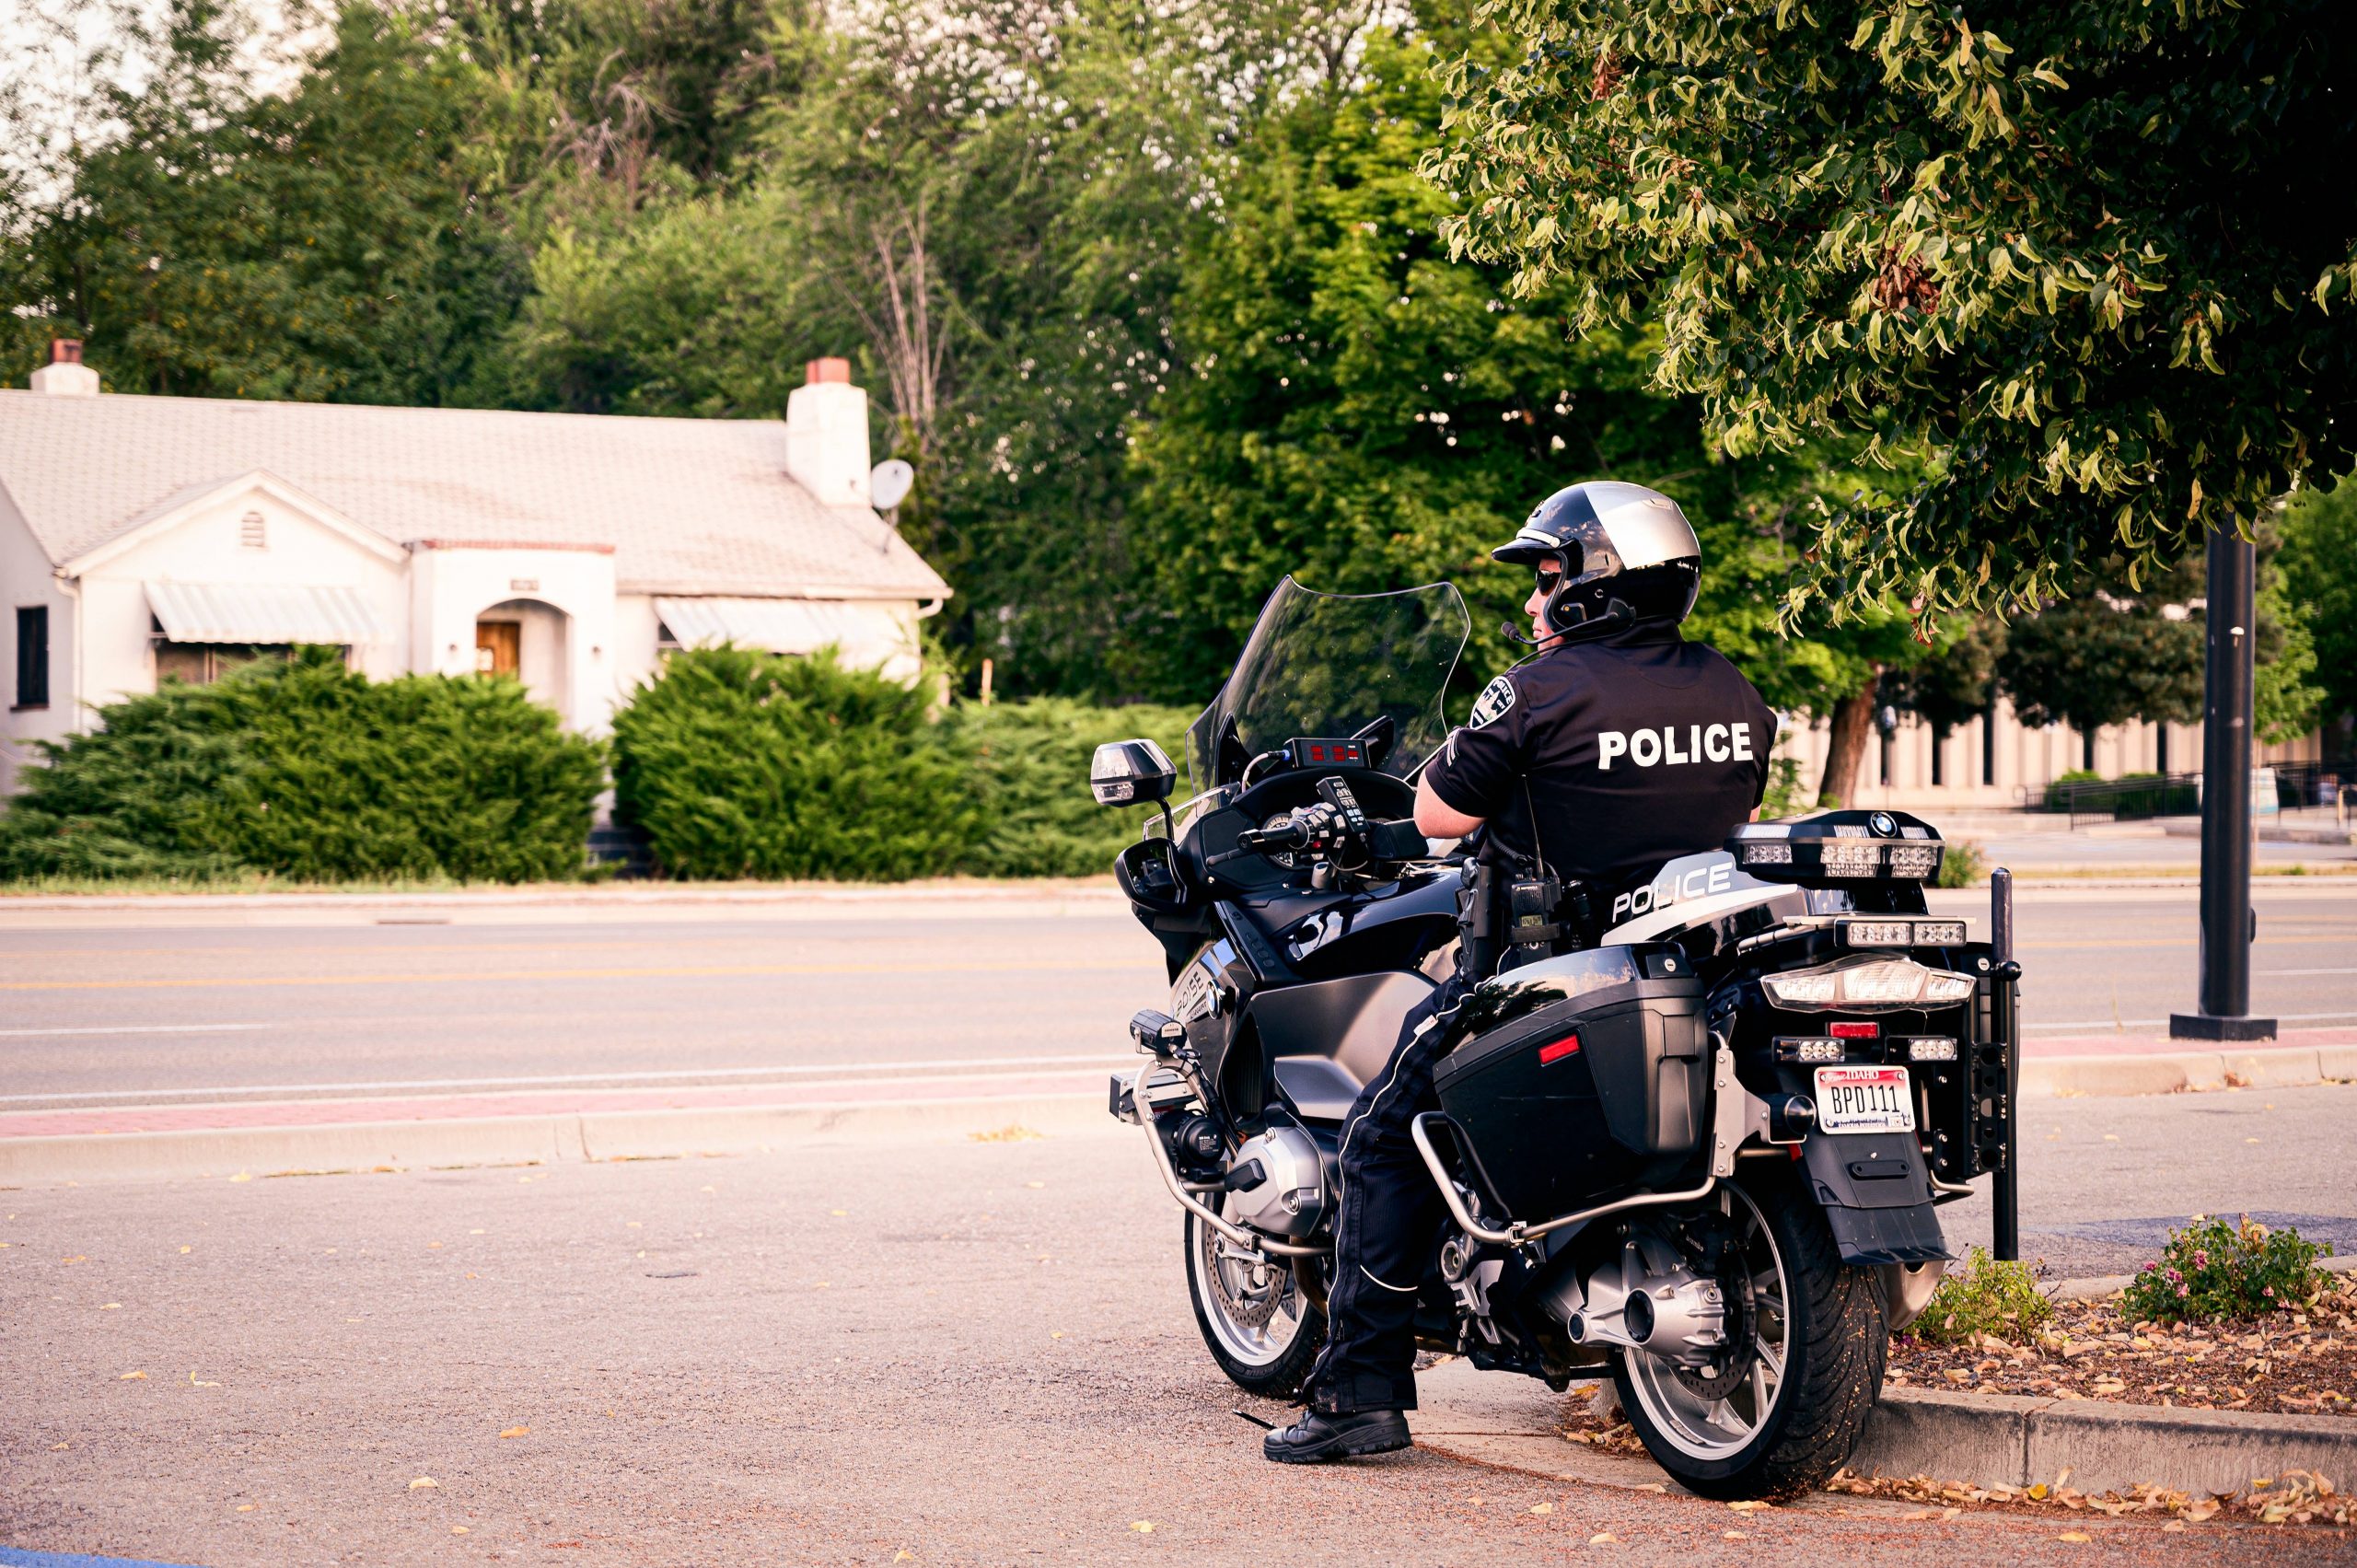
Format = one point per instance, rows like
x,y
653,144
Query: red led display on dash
x,y
1567,1046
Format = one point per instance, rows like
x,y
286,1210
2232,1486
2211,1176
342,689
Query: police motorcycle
x,y
1692,1135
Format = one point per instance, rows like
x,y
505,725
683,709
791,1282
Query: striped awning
x,y
262,613
865,633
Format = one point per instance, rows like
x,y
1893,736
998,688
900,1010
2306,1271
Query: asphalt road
x,y
92,1014
955,1350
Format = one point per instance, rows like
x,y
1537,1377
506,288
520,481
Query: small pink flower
x,y
2174,1277
2181,1292
2269,1293
2200,1259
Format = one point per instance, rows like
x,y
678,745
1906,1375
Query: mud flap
x,y
1878,1197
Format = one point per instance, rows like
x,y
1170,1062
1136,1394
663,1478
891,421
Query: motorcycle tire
x,y
1270,1356
1835,1342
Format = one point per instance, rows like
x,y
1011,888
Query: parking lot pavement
x,y
956,1349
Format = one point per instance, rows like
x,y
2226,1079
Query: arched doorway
x,y
527,639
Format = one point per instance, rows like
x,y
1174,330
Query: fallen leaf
x,y
59,1448
188,1249
1749,1506
2080,1537
2174,1527
517,1431
1542,1507
470,1233
132,1378
110,1306
457,1530
1652,1486
243,1176
423,1483
1142,1527
194,1384
1732,1535
2196,1512
711,1189
1605,1538
839,1213
904,1555
245,1507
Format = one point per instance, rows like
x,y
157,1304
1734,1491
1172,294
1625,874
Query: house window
x,y
253,532
32,656
201,664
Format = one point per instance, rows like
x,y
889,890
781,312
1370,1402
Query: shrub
x,y
741,763
2214,1269
1032,762
1963,864
308,771
1784,796
1989,1298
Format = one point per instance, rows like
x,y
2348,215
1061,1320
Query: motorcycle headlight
x,y
1868,985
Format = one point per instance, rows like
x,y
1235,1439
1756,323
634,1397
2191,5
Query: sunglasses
x,y
1548,579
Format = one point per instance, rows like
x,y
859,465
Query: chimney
x,y
65,375
826,434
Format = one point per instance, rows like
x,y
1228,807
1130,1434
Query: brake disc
x,y
1244,1306
1722,1259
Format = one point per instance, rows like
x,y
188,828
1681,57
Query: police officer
x,y
1616,745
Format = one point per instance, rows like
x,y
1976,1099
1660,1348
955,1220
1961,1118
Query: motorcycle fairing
x,y
1328,1039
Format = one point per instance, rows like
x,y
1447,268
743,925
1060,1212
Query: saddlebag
x,y
1583,1096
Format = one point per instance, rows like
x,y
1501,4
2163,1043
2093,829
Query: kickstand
x,y
1263,1425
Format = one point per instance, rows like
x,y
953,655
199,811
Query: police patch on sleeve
x,y
1495,701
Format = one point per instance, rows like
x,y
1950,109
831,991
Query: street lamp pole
x,y
2226,927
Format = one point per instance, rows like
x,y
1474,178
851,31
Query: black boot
x,y
1318,1437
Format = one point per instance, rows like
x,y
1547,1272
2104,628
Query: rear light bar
x,y
1813,1049
1901,933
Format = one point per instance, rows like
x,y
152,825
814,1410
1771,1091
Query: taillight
x,y
1846,1030
1567,1046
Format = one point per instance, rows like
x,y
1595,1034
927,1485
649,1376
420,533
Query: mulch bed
x,y
2286,1364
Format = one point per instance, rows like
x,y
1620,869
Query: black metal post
x,y
2005,1221
2226,928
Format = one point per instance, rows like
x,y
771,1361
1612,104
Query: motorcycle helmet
x,y
1625,555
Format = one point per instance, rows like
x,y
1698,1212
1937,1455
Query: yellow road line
x,y
696,971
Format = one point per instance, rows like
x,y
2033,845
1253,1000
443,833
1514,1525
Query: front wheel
x,y
1261,1328
1783,1411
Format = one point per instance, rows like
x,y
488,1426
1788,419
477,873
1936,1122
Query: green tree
x,y
334,241
2082,266
2107,655
2319,568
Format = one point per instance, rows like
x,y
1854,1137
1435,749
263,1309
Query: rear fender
x,y
1878,1197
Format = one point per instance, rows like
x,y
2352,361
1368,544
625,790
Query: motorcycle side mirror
x,y
1131,773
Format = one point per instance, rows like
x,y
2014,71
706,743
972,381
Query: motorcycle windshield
x,y
1334,664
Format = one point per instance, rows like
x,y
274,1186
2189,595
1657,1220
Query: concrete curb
x,y
2188,1071
563,1138
1995,1439
1511,1423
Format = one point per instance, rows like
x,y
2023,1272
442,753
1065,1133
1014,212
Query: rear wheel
x,y
1781,1412
1260,1327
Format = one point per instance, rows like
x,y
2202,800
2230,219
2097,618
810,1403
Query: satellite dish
x,y
888,484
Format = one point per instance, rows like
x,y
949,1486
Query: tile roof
x,y
688,505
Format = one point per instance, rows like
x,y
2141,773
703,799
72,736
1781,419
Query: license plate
x,y
1864,1099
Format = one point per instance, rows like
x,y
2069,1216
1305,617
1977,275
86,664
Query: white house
x,y
144,537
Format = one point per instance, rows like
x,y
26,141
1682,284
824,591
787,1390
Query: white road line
x,y
136,1030
560,1079
2136,1023
2307,971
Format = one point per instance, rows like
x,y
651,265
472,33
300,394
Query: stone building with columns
x,y
143,537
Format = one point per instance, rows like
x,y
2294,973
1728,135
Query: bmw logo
x,y
1883,824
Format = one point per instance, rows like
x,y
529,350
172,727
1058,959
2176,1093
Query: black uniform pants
x,y
1387,1218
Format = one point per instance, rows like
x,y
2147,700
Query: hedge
x,y
310,771
1032,761
741,763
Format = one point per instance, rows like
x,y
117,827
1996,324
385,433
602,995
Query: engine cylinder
x,y
1290,1197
